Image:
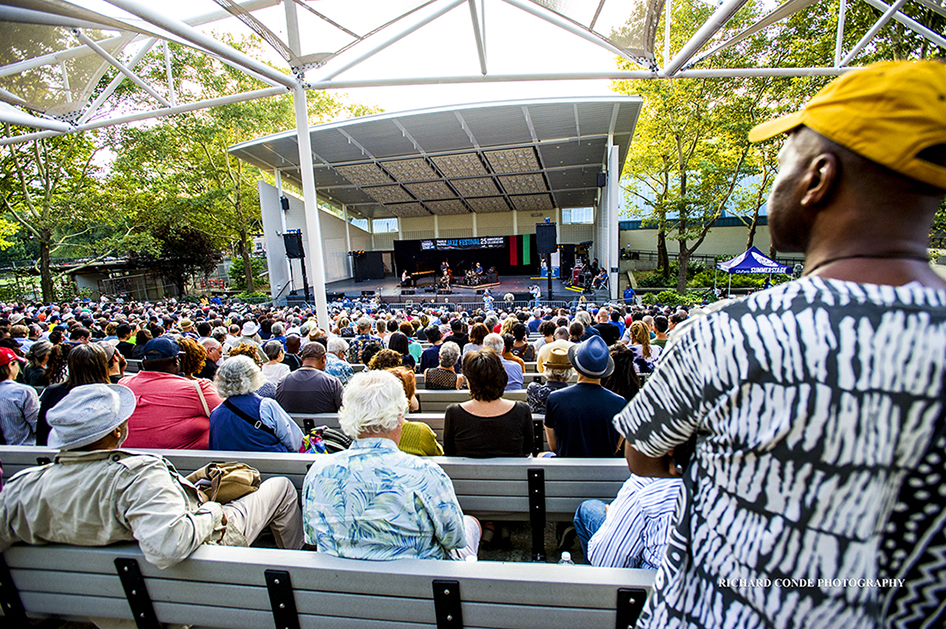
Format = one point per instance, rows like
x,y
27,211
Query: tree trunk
x,y
663,258
752,230
247,262
45,273
682,263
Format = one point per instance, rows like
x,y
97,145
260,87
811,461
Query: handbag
x,y
224,482
325,440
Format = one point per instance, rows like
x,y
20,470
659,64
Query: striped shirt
x,y
634,533
810,403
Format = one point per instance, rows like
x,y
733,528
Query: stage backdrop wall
x,y
516,255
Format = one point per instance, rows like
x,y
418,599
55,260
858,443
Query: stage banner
x,y
520,250
455,244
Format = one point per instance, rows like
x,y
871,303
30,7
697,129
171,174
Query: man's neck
x,y
583,379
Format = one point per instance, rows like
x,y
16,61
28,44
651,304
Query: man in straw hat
x,y
578,417
95,494
811,500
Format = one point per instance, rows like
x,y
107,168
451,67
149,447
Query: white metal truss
x,y
330,70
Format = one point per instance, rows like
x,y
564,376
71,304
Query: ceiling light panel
x,y
450,206
533,203
364,174
407,210
513,160
388,194
464,165
410,170
524,184
430,190
479,187
488,205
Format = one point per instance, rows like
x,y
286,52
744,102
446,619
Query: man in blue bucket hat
x,y
578,417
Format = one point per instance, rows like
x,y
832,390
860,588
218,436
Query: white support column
x,y
351,262
282,219
436,226
614,234
475,234
515,222
313,226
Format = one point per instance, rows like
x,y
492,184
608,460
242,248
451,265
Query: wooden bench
x,y
515,489
527,378
435,420
133,366
438,401
249,588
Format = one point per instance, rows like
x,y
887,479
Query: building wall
x,y
727,241
333,247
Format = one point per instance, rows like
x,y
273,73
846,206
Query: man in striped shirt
x,y
818,405
632,531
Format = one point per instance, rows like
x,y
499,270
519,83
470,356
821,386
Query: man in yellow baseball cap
x,y
818,405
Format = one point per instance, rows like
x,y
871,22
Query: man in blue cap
x,y
578,417
172,412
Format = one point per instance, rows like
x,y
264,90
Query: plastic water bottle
x,y
566,559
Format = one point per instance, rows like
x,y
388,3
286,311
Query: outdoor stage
x,y
390,288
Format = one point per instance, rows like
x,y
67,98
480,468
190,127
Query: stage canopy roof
x,y
492,157
752,261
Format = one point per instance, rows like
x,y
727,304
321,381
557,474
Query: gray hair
x,y
364,323
272,349
210,343
238,376
374,403
449,353
39,349
562,375
491,321
561,334
583,317
219,333
337,344
495,342
278,329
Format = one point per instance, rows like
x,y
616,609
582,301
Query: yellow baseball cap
x,y
887,112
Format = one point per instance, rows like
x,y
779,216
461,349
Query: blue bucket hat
x,y
591,358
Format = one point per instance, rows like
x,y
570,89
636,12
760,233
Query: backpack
x,y
325,440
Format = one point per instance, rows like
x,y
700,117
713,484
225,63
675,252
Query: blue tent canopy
x,y
752,261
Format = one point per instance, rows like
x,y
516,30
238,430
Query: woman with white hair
x,y
373,501
245,421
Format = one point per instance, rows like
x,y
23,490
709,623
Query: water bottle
x,y
566,559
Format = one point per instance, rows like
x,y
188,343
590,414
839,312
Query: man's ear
x,y
820,179
673,469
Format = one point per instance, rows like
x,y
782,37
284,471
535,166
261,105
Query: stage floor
x,y
518,285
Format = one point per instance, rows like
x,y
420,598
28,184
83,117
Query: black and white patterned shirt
x,y
812,402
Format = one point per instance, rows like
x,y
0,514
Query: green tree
x,y
49,188
181,166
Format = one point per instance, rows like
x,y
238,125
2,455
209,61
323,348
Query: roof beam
x,y
869,35
910,23
134,78
196,38
478,32
716,21
448,5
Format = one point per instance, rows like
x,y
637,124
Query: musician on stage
x,y
478,269
445,280
405,278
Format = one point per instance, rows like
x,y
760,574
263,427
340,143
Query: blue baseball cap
x,y
161,347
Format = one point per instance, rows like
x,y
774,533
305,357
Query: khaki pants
x,y
276,505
